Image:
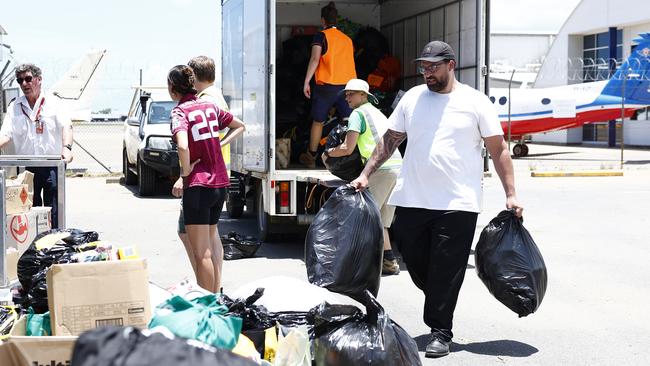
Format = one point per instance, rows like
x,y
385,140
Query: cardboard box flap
x,y
93,269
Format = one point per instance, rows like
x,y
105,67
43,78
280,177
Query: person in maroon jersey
x,y
195,128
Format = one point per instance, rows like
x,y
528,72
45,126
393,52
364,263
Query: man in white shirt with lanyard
x,y
438,191
36,124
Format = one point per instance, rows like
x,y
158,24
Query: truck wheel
x,y
263,232
146,180
129,177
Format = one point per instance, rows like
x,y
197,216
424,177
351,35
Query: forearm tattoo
x,y
384,150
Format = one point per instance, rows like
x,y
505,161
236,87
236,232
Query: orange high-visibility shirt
x,y
336,66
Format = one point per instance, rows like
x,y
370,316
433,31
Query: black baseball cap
x,y
436,51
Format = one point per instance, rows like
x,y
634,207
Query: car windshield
x,y
160,112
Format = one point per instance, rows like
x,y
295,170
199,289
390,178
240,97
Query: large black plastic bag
x,y
113,346
348,167
510,264
353,339
236,246
257,319
344,244
34,263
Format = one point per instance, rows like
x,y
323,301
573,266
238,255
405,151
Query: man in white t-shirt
x,y
36,124
438,191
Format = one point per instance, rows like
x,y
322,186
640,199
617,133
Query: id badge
x,y
39,127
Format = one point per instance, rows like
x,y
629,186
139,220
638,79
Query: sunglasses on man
x,y
430,68
27,79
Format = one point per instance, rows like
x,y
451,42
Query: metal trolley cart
x,y
21,162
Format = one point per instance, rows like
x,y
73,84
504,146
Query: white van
x,y
252,34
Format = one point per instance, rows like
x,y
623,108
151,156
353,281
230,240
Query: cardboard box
x,y
10,355
84,296
40,350
43,218
17,199
21,230
19,193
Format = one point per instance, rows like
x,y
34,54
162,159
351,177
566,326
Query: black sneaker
x,y
390,267
437,348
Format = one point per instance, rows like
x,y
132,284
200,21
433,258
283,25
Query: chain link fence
x,y
98,147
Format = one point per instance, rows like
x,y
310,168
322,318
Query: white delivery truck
x,y
253,33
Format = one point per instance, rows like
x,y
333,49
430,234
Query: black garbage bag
x,y
36,260
353,339
327,317
344,244
257,319
236,246
510,264
348,167
126,346
370,46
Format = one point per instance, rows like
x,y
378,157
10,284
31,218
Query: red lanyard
x,y
37,119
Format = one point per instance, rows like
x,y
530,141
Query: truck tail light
x,y
283,197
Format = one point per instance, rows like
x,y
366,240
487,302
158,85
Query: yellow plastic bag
x,y
270,344
246,348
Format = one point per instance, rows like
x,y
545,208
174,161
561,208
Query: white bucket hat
x,y
360,85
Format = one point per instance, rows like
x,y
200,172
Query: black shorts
x,y
202,205
325,97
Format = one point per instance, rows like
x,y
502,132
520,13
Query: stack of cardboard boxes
x,y
81,296
23,222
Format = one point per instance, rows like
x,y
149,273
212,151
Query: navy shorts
x,y
324,97
202,205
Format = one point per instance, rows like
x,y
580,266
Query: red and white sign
x,y
19,228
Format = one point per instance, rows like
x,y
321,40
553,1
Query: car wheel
x,y
146,179
129,176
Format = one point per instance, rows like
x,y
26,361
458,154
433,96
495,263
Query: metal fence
x,y
98,147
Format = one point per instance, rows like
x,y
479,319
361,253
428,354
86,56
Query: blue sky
x,y
148,34
156,35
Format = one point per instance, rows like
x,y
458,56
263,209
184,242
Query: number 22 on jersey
x,y
204,120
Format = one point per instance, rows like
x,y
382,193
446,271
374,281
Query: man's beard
x,y
436,84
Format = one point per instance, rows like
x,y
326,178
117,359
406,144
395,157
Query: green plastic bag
x,y
37,324
201,319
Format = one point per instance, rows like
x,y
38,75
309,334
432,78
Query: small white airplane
x,y
73,88
557,108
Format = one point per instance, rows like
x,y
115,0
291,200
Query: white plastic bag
x,y
293,349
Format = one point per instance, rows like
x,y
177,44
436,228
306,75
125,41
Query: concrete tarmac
x,y
593,233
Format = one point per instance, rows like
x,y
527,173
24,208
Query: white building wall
x,y
518,50
637,132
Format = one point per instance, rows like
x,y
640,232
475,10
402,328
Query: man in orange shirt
x,y
332,66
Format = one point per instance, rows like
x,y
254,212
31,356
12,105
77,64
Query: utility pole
x,y
509,108
624,73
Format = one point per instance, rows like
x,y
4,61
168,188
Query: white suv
x,y
148,152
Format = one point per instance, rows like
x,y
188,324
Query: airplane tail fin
x,y
73,84
637,70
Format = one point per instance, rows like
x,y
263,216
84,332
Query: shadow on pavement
x,y
288,246
163,190
503,347
533,156
636,162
